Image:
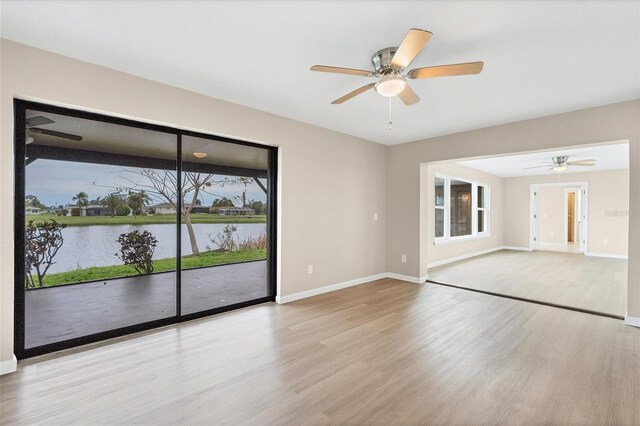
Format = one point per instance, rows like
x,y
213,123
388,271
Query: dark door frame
x,y
20,151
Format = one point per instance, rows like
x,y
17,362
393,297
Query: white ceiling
x,y
540,57
608,157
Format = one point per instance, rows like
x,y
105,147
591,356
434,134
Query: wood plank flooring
x,y
586,282
386,352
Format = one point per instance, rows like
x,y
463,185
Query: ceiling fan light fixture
x,y
391,85
199,154
560,168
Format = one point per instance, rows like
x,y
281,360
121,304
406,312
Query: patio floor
x,y
65,312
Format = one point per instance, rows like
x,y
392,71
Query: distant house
x,y
233,211
95,210
29,209
163,208
200,209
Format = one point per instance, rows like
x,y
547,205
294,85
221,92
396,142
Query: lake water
x,y
86,246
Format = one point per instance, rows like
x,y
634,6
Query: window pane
x,y
439,192
439,223
480,196
460,208
480,220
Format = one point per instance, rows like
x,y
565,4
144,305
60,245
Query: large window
x,y
461,209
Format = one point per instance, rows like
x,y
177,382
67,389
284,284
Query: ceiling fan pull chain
x,y
390,122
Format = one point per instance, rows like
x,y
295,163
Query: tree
x,y
163,185
222,202
257,205
42,242
82,200
123,210
112,202
137,201
32,200
136,250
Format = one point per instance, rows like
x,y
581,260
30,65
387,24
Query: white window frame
x,y
447,238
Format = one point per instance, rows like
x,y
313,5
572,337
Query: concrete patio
x,y
60,313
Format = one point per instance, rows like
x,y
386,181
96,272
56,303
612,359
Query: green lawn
x,y
209,258
143,220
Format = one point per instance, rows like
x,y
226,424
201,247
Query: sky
x,y
56,182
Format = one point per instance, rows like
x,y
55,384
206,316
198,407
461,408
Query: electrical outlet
x,y
404,258
375,216
309,269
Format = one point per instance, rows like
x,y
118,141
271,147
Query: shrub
x,y
136,250
228,240
249,243
75,211
42,242
123,211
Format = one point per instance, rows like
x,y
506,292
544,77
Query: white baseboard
x,y
415,280
516,248
462,257
613,256
328,288
8,366
632,321
339,286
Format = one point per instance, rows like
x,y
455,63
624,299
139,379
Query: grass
x,y
209,258
143,220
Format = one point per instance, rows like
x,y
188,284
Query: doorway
x,y
559,217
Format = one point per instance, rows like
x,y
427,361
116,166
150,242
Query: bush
x,y
136,250
75,211
123,211
62,212
228,240
42,242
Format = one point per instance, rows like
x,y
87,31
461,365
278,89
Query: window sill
x,y
452,240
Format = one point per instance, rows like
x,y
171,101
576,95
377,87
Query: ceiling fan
x,y
389,64
561,163
41,120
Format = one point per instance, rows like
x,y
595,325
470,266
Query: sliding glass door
x,y
123,226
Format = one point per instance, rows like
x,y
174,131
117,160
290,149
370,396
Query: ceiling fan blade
x,y
340,70
412,44
55,134
353,94
589,162
38,120
535,167
447,70
408,96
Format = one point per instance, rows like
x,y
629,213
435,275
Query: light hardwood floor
x,y
593,283
386,352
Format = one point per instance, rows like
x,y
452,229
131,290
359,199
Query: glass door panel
x,y
100,232
224,236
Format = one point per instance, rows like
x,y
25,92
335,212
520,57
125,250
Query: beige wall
x,y
608,190
427,229
614,122
320,169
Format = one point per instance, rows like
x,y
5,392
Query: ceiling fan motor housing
x,y
560,159
382,61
